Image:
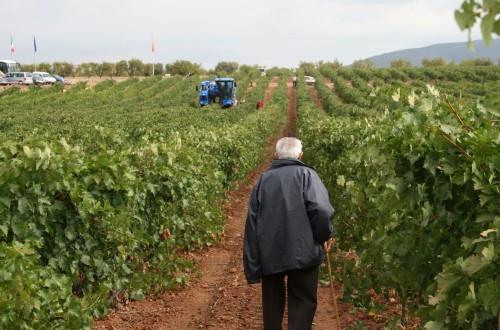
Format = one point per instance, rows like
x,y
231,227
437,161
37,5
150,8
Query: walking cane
x,y
334,296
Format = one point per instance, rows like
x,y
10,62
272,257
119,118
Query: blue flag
x,y
34,42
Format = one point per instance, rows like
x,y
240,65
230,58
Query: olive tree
x,y
438,61
183,68
362,64
109,69
308,67
335,65
158,69
477,62
64,69
106,69
86,69
121,68
44,67
135,67
401,63
227,67
147,69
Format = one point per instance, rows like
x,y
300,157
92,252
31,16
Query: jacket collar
x,y
286,162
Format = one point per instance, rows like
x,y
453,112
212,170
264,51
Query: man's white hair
x,y
288,147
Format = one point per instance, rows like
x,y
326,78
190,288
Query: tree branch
x,y
455,144
447,138
456,114
95,302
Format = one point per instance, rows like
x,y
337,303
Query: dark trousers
x,y
302,287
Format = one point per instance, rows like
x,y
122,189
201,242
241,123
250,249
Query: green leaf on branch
x,y
447,280
466,18
472,265
489,295
487,27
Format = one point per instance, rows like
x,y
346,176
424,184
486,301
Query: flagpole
x,y
34,50
153,49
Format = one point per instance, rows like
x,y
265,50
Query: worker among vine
x,y
289,217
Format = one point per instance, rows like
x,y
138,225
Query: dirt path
x,y
220,297
329,84
315,98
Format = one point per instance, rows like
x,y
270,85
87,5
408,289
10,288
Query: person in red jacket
x,y
289,218
259,105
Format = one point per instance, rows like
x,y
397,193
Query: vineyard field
x,y
414,169
106,190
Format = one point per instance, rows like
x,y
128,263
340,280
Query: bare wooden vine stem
x,y
153,310
95,302
455,144
447,138
456,114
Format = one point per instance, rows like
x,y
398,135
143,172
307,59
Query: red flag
x,y
11,45
153,45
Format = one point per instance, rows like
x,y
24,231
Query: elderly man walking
x,y
289,218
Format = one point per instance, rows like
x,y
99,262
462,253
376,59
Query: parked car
x,y
43,78
23,78
59,78
309,80
38,79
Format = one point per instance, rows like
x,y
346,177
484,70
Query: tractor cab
x,y
226,91
219,90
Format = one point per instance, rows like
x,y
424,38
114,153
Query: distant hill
x,y
455,51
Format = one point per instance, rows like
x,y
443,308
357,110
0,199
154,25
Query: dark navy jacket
x,y
289,217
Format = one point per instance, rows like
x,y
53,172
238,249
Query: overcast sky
x,y
264,32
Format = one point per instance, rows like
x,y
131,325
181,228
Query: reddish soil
x,y
220,298
329,84
315,98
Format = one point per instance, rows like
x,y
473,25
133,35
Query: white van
x,y
42,78
23,78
